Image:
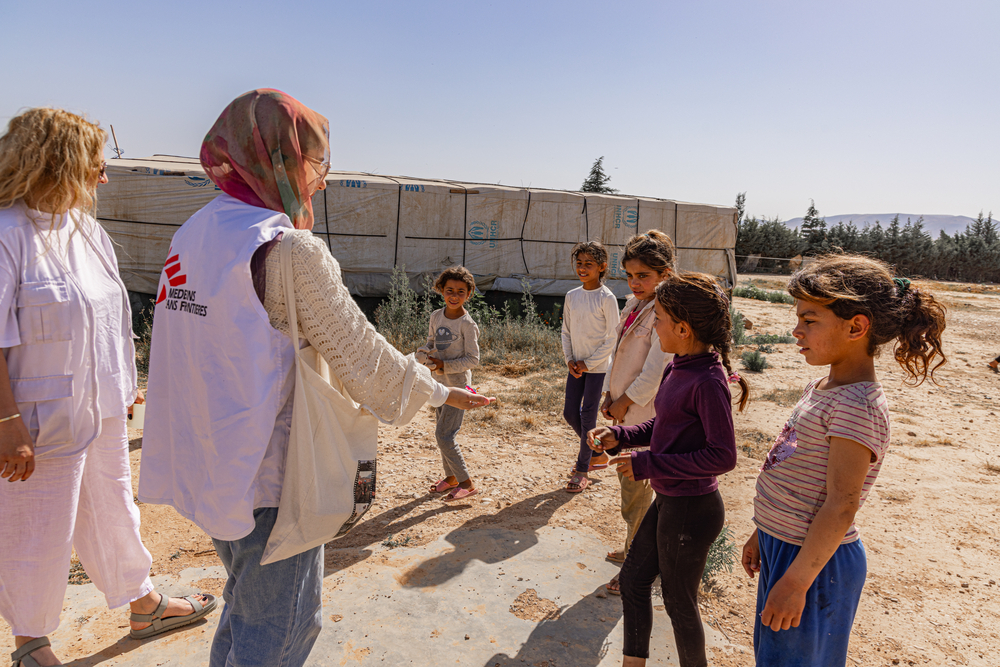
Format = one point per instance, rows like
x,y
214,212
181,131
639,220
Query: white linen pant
x,y
79,499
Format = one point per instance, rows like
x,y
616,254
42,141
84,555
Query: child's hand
x,y
784,605
572,363
466,400
620,407
751,555
624,464
605,405
438,364
601,438
581,368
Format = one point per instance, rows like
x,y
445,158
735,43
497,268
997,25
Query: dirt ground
x,y
930,526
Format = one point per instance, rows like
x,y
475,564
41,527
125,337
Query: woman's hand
x,y
466,400
17,452
751,555
624,464
601,438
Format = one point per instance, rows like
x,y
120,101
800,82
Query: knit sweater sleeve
x,y
371,369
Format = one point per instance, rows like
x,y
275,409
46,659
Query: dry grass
x,y
939,442
784,397
753,444
519,409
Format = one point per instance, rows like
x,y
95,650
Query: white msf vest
x,y
52,372
219,373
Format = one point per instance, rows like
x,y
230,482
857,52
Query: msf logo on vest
x,y
175,298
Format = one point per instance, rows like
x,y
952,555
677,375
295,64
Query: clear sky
x,y
866,107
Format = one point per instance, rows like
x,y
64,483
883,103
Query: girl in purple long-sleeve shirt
x,y
691,441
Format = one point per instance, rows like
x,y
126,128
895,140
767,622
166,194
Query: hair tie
x,y
902,284
735,377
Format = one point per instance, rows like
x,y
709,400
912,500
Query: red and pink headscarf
x,y
256,152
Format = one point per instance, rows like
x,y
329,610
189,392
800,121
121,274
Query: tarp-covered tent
x,y
373,223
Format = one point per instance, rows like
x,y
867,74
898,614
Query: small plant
x,y
392,542
766,348
144,331
739,331
77,575
721,555
754,361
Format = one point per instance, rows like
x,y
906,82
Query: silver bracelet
x,y
13,416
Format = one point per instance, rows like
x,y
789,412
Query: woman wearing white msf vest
x,y
67,378
222,367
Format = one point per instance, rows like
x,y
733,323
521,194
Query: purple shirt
x,y
691,438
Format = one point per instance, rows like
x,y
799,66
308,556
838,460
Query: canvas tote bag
x,y
329,480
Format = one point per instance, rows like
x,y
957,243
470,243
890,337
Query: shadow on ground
x,y
525,516
578,638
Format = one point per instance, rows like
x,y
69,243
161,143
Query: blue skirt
x,y
831,603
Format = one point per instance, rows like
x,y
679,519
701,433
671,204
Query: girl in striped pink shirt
x,y
806,547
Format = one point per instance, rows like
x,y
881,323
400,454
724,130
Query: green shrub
x,y
504,338
404,316
721,555
751,291
739,331
770,339
754,361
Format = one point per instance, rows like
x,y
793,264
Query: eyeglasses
x,y
322,169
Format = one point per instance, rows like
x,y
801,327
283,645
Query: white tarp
x,y
374,223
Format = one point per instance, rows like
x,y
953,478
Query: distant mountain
x,y
932,223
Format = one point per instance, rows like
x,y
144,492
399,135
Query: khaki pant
x,y
636,499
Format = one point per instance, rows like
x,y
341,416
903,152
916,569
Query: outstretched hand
x,y
466,400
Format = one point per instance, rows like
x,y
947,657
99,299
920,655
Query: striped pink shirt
x,y
791,486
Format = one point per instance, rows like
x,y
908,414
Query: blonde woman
x,y
67,379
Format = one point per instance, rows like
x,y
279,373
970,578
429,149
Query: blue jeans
x,y
831,603
273,613
583,401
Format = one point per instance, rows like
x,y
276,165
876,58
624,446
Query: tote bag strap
x,y
285,260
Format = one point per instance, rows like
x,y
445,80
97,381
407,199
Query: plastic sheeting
x,y
373,223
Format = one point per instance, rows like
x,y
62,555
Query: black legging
x,y
673,542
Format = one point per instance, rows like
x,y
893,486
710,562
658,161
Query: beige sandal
x,y
22,656
160,624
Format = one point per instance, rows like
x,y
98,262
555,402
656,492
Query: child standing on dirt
x,y
590,317
691,441
817,475
637,365
453,341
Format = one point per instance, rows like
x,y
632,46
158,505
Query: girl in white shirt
x,y
589,327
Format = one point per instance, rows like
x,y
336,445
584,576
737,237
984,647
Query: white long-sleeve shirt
x,y
590,319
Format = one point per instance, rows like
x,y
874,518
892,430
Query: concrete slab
x,y
480,597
